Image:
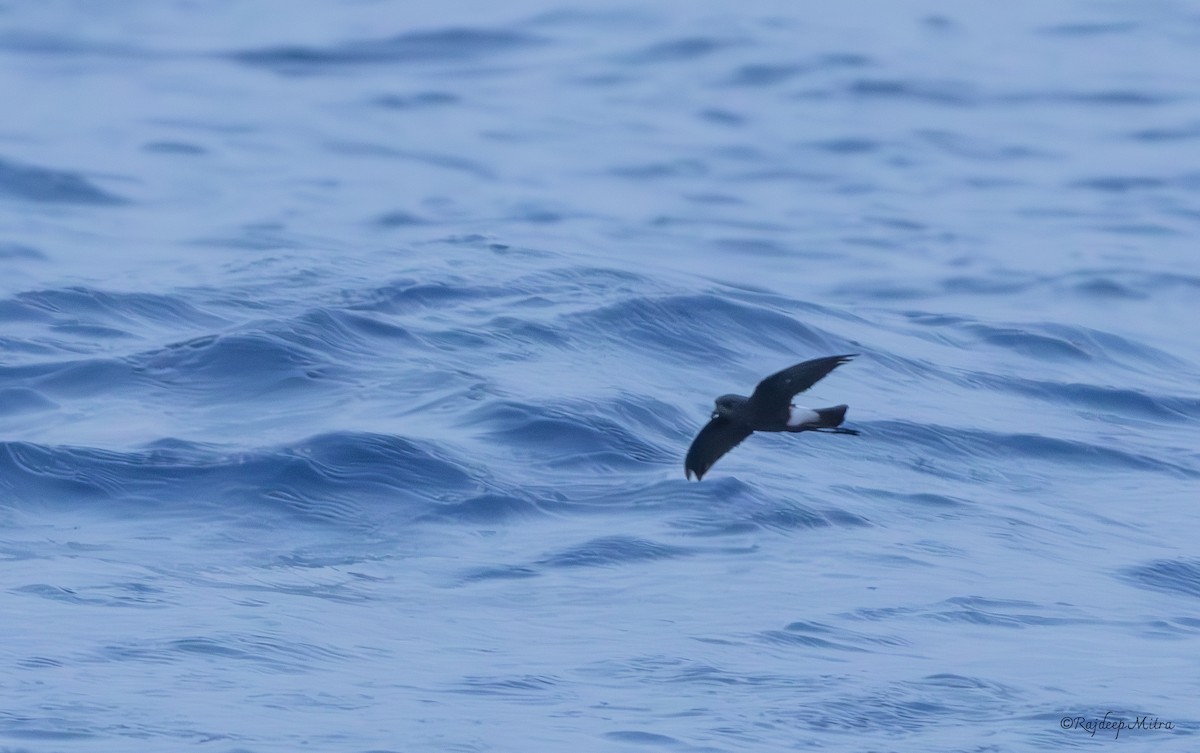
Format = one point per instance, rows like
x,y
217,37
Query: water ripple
x,y
1173,576
569,437
436,46
694,327
613,550
974,444
330,476
49,186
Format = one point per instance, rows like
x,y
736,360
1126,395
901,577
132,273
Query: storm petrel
x,y
769,409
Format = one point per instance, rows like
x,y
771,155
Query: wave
x,y
46,185
336,477
436,46
945,443
695,328
1181,576
573,436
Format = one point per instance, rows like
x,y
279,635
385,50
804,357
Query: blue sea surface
x,y
350,351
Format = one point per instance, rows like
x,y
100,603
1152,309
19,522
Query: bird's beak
x,y
715,414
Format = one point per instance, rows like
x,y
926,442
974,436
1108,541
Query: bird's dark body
x,y
770,408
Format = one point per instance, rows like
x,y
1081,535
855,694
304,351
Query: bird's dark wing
x,y
718,437
776,391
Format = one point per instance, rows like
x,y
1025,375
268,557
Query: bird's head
x,y
726,405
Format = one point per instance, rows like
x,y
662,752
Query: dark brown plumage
x,y
769,408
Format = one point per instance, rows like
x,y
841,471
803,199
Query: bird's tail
x,y
829,418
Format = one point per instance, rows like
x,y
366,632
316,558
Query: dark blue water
x,y
349,354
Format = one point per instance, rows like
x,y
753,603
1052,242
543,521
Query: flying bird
x,y
769,409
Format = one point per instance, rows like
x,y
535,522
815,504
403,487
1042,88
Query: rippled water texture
x,y
350,351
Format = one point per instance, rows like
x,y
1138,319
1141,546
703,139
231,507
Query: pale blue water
x,y
349,353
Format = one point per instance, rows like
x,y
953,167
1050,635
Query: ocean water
x,y
349,354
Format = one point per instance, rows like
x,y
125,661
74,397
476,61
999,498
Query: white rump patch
x,y
801,417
